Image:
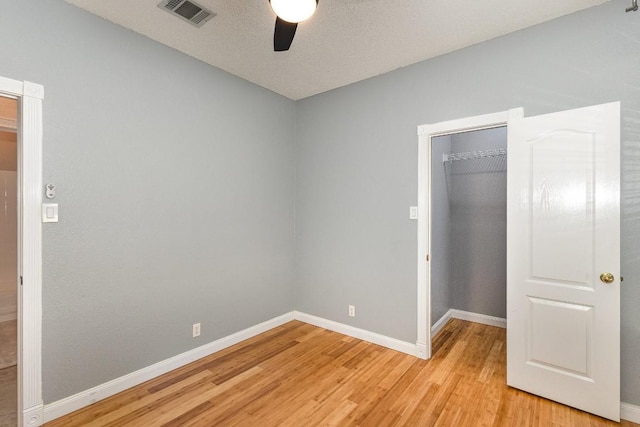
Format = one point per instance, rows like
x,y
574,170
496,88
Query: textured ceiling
x,y
344,42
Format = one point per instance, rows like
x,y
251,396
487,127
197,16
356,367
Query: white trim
x,y
485,121
33,416
421,350
423,341
441,322
12,87
479,318
30,245
80,400
352,331
30,96
469,317
630,412
425,133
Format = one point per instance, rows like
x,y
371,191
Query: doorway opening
x,y
29,97
8,261
432,316
468,227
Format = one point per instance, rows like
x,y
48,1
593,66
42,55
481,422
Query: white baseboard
x,y
33,416
80,400
479,318
468,316
440,323
352,331
630,412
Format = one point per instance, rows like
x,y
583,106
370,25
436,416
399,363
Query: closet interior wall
x,y
469,225
441,294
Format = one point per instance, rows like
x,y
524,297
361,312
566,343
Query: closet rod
x,y
473,155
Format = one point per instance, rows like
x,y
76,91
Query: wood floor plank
x,y
302,375
192,382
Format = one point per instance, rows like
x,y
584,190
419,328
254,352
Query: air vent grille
x,y
188,11
172,4
200,17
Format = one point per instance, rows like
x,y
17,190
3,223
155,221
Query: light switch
x,y
413,212
49,212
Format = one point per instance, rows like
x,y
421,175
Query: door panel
x,y
563,231
562,193
572,323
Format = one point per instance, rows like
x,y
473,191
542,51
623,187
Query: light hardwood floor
x,y
301,375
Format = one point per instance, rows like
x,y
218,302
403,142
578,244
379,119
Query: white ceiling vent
x,y
188,11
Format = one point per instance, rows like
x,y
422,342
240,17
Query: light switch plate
x,y
49,212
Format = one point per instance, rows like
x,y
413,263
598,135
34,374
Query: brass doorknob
x,y
606,277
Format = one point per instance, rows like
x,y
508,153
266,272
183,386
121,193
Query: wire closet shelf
x,y
473,155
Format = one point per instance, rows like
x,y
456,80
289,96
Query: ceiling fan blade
x,y
283,35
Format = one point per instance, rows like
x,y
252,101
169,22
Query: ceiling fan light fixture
x,y
293,11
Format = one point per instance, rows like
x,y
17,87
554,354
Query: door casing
x,y
425,135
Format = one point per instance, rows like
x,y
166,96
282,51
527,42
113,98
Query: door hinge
x,y
427,257
20,280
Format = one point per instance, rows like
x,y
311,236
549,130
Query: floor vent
x,y
188,11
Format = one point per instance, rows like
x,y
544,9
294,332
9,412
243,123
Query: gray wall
x,y
168,221
175,184
469,225
440,253
478,204
356,162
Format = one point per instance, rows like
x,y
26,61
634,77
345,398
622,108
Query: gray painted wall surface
x,y
356,162
441,289
166,222
478,204
468,220
175,184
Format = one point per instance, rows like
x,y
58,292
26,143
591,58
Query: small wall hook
x,y
634,6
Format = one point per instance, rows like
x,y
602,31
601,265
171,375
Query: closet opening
x,y
473,146
468,227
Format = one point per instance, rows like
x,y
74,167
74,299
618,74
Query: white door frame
x,y
425,134
29,127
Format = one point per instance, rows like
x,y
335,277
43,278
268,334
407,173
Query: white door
x,y
563,233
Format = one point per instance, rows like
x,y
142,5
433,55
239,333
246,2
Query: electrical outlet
x,y
196,330
352,311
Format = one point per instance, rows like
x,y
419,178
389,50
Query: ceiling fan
x,y
288,14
